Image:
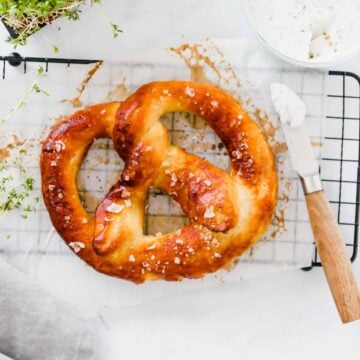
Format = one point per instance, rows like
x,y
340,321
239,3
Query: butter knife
x,y
329,241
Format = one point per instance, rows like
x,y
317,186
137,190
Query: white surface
x,y
286,316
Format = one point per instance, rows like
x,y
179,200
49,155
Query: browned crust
x,y
228,212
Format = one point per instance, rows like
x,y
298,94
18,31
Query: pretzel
x,y
228,212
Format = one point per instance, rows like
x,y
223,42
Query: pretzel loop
x,y
228,212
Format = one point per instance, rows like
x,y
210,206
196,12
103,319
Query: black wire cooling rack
x,y
347,92
16,59
347,136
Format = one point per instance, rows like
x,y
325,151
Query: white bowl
x,y
327,63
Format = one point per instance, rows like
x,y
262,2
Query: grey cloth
x,y
34,325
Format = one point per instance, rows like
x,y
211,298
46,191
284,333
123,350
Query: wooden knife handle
x,y
334,259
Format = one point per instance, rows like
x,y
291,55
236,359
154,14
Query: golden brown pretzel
x,y
228,212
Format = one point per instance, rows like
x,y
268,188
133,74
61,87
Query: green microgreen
x,y
13,196
26,17
14,192
34,88
115,30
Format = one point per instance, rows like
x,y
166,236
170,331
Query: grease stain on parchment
x,y
14,144
4,153
120,92
76,101
195,58
207,64
317,143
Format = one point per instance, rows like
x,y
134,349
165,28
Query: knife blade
x,y
301,152
292,110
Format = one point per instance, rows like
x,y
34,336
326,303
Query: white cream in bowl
x,y
307,31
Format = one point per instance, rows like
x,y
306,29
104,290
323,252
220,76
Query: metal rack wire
x,y
16,59
342,138
348,133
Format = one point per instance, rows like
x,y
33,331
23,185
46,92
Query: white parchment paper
x,y
236,66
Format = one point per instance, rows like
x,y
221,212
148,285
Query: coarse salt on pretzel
x,y
228,212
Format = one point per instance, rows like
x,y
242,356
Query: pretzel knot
x,y
227,212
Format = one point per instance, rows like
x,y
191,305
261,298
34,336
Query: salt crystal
x,y
177,260
127,202
236,154
207,182
215,243
179,241
151,247
131,258
189,91
217,255
51,187
173,179
77,246
214,103
209,212
59,145
115,208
